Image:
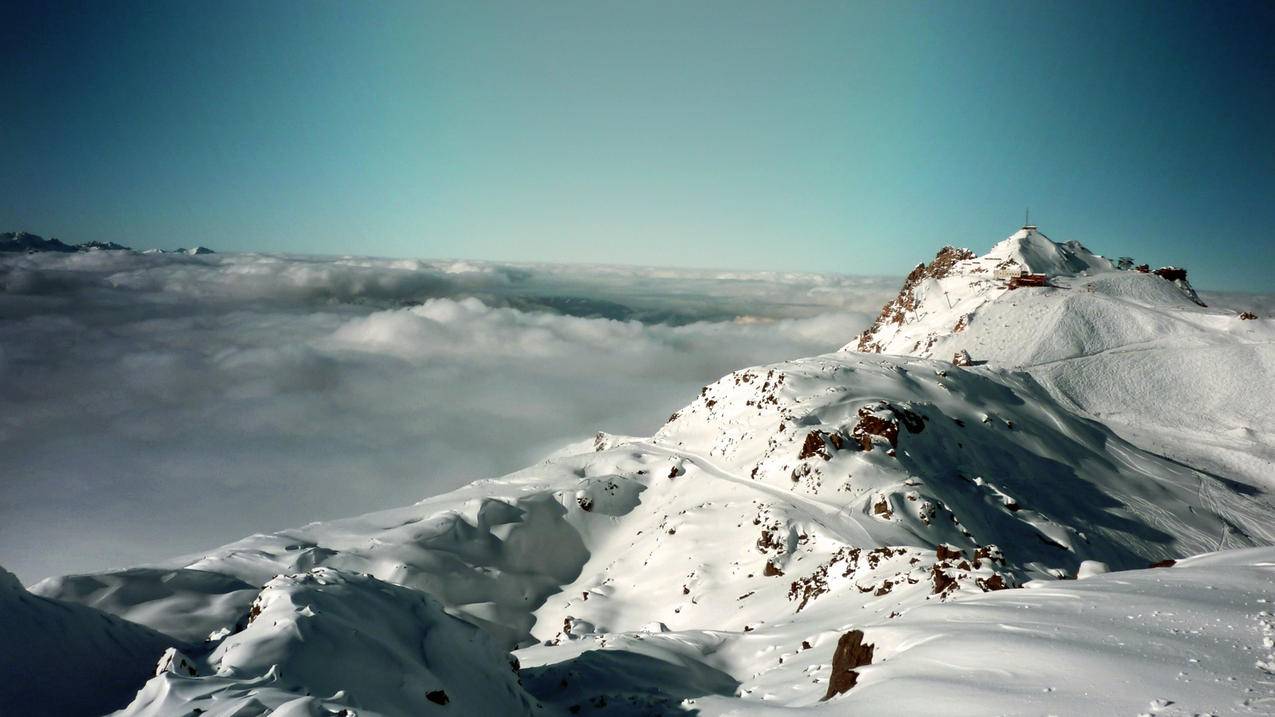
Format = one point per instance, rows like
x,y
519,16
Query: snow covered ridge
x,y
27,242
322,641
852,532
957,283
60,658
717,564
1132,348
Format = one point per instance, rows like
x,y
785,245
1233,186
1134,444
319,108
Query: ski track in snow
x,y
828,515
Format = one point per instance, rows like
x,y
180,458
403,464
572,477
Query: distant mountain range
x,y
27,243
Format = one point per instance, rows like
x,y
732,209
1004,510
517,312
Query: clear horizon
x,y
854,139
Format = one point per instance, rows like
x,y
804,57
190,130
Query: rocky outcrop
x,y
882,420
851,653
897,309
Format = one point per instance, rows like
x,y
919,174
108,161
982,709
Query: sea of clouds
x,y
156,405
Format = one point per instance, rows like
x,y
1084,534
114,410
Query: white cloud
x,y
1263,305
155,405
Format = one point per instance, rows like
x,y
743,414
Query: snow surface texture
x,y
59,658
1130,349
847,533
270,391
323,641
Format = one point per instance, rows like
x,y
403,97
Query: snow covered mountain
x,y
876,530
26,242
1134,349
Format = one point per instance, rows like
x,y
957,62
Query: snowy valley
x,y
1038,484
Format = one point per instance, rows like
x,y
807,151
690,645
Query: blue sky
x,y
845,137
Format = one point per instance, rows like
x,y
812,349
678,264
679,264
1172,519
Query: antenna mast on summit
x,y
1027,217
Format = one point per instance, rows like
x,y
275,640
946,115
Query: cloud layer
x,y
155,405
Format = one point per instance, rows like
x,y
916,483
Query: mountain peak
x,y
1038,254
1049,280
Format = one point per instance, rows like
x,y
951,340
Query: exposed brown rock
x,y
1247,316
770,539
883,419
816,584
438,697
875,555
1163,564
989,552
896,310
771,570
585,503
822,444
801,471
942,582
814,446
851,653
996,582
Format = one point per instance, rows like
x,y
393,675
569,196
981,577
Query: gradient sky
x,y
845,137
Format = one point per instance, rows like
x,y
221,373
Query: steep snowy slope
x,y
62,659
1132,349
